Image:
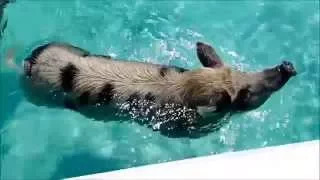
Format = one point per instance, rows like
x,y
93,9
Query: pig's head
x,y
255,88
252,89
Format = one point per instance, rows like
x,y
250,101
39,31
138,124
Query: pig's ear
x,y
208,56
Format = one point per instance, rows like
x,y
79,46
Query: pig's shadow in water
x,y
170,122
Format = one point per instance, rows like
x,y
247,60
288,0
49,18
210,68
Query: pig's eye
x,y
243,99
248,93
244,94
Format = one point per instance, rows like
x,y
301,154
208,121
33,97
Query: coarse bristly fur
x,y
82,79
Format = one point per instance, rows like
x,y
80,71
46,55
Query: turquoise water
x,y
43,143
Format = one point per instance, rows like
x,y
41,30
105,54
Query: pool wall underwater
x,y
45,143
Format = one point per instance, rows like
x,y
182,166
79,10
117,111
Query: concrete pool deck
x,y
290,161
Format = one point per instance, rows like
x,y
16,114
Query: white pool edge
x,y
290,161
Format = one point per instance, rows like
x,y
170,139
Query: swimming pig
x,y
169,98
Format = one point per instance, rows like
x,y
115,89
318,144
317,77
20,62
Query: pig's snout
x,y
288,68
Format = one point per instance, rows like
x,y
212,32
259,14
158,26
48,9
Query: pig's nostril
x,y
288,67
286,63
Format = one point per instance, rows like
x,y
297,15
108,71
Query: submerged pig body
x,y
67,76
